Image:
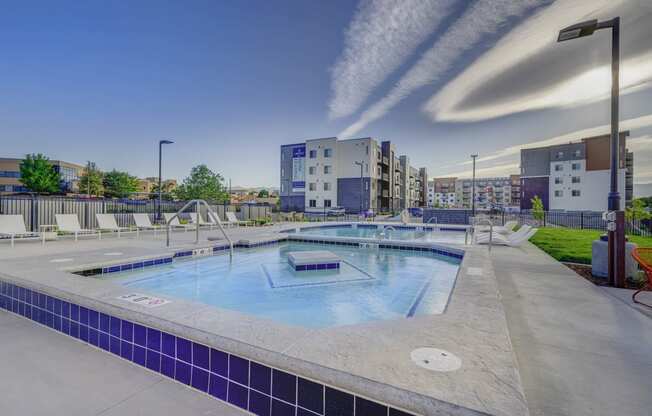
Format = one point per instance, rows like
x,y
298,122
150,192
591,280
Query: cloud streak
x,y
482,18
525,49
382,35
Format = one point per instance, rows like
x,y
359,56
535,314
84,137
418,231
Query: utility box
x,y
600,259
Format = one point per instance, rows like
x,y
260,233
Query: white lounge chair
x,y
202,223
143,223
514,240
107,222
174,222
14,226
232,219
508,228
480,235
69,224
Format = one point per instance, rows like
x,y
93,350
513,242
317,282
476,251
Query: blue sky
x,y
231,81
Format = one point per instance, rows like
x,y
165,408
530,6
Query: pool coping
x,y
290,358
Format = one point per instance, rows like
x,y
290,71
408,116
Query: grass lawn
x,y
566,244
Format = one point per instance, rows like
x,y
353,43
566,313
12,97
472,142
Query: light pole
x,y
361,164
160,178
617,236
473,187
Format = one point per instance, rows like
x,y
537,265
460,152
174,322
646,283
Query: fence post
x,y
34,221
582,220
544,218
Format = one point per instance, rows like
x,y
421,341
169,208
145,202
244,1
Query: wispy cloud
x,y
508,78
482,18
381,36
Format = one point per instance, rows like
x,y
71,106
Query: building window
x,y
327,203
9,174
328,169
559,194
559,168
575,192
313,154
576,179
576,166
577,153
312,203
282,187
311,170
559,180
560,155
312,186
327,186
328,152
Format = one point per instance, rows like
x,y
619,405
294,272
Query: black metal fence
x,y
585,220
41,210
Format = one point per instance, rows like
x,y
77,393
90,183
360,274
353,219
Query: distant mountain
x,y
642,189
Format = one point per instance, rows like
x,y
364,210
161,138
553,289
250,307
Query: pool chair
x,y
174,223
143,223
201,223
13,226
508,228
69,224
516,239
232,219
106,222
643,257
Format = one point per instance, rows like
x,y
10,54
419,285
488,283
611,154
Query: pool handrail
x,y
197,203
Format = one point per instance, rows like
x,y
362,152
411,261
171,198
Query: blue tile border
x,y
252,386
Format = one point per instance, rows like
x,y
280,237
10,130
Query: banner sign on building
x,y
299,169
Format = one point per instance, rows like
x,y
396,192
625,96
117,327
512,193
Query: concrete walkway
x,y
46,373
580,350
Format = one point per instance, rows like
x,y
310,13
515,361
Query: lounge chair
x,y
514,240
107,222
69,224
508,228
232,219
215,220
144,223
13,226
201,223
173,222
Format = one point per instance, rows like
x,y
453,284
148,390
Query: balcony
x,y
385,177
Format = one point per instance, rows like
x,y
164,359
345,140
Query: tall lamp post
x,y
160,178
361,164
473,187
617,235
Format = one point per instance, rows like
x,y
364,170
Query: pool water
x,y
456,237
371,285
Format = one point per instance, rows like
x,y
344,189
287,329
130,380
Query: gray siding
x,y
535,162
564,152
348,194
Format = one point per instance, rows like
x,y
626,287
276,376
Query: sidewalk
x,y
580,350
46,373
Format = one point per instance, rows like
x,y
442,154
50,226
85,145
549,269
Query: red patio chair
x,y
643,257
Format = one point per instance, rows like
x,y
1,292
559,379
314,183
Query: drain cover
x,y
60,260
435,359
113,254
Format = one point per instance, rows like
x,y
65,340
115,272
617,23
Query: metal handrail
x,y
491,229
386,228
430,220
216,217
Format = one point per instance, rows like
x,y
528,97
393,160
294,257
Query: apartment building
x,y
441,193
575,176
353,174
494,192
10,175
149,185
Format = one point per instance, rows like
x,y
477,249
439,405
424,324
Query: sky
x,y
231,81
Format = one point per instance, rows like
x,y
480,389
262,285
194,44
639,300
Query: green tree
x,y
537,208
38,175
264,193
202,184
165,195
637,211
90,182
119,184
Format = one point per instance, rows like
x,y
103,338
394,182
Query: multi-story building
x,y
499,192
574,176
354,174
441,193
10,175
149,185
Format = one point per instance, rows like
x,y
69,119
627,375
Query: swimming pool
x,y
370,285
379,232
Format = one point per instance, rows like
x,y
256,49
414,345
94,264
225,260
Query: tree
x,y
264,193
202,184
38,175
119,184
637,211
165,195
537,208
90,181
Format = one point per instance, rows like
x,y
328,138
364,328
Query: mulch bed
x,y
584,270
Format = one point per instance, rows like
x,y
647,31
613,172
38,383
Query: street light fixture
x,y
361,164
473,187
160,178
617,236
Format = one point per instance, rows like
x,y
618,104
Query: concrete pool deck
x,y
485,317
